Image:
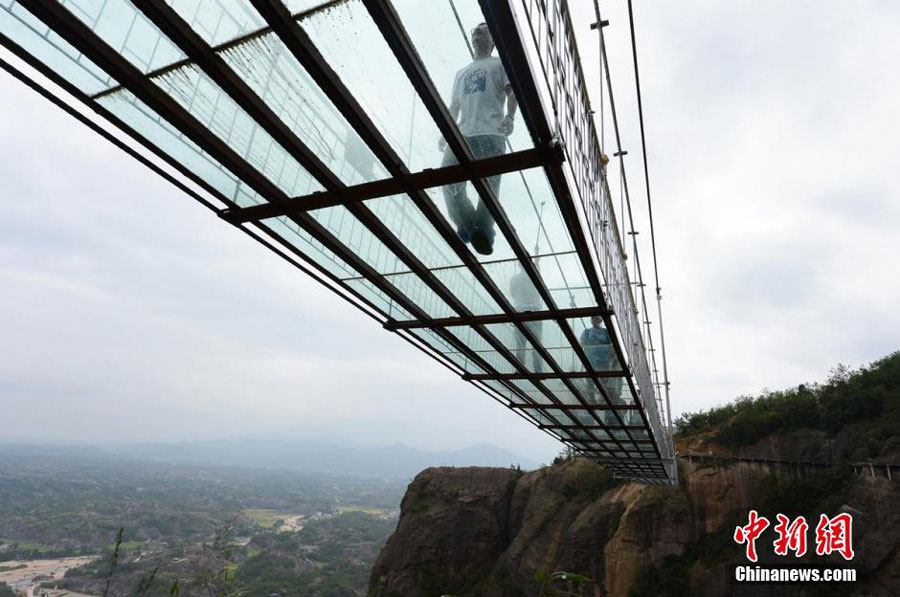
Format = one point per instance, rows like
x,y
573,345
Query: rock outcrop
x,y
499,532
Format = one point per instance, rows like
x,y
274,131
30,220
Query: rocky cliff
x,y
573,529
498,532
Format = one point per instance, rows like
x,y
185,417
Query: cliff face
x,y
497,532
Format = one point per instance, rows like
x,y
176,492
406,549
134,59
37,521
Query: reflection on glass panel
x,y
321,255
536,395
460,58
618,391
529,203
159,132
516,342
299,6
29,32
124,28
620,434
273,73
297,236
557,264
549,417
353,45
561,390
358,238
581,434
422,295
120,25
468,290
377,296
470,365
563,275
562,417
513,395
514,284
440,345
215,109
615,388
218,21
479,345
601,435
405,220
408,223
609,418
504,391
553,340
599,445
538,416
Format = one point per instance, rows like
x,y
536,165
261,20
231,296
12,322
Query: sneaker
x,y
464,235
483,240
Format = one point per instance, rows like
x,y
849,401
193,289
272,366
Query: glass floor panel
x,y
219,21
127,31
273,73
352,43
442,346
37,39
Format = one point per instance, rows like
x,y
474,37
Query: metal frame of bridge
x,y
247,106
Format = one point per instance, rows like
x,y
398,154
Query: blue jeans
x,y
462,213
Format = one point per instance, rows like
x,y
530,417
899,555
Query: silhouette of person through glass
x,y
480,91
599,350
526,298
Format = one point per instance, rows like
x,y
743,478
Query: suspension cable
x,y
624,185
637,81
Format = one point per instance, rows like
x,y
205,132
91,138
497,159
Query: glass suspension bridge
x,y
315,126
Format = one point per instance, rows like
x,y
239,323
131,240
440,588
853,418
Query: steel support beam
x,y
426,179
563,375
519,316
592,407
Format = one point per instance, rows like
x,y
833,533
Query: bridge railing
x,y
563,85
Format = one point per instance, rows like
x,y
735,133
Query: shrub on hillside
x,y
870,393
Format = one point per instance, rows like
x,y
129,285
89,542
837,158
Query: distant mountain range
x,y
308,456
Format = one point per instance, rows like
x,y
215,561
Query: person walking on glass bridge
x,y
599,350
480,91
526,298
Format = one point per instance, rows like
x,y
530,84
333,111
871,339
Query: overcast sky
x,y
129,312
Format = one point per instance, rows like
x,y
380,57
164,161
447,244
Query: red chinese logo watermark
x,y
832,535
835,534
791,536
750,533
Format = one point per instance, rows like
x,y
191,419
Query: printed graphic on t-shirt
x,y
475,81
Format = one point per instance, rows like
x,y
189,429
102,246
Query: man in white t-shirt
x,y
481,90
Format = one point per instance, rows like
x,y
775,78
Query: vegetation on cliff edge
x,y
870,393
